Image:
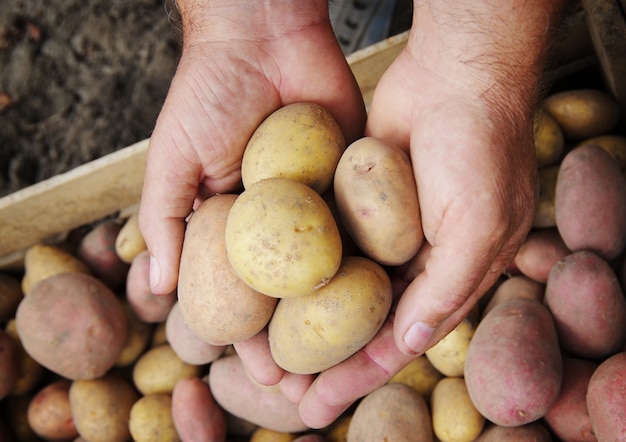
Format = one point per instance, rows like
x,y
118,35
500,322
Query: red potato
x,y
606,400
148,307
196,415
49,412
588,305
97,250
513,367
541,249
590,202
518,286
568,418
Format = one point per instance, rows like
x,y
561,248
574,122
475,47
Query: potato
x,y
195,412
159,369
17,416
420,375
615,145
300,141
532,432
281,238
311,437
583,113
548,138
448,355
101,408
393,412
218,307
590,202
30,371
138,335
42,261
308,334
49,413
338,430
376,197
266,435
606,401
130,241
72,324
541,249
151,419
10,296
588,305
454,416
187,346
568,418
97,250
9,364
238,395
515,287
159,334
545,215
515,346
148,307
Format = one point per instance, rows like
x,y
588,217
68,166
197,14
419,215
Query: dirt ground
x,y
80,79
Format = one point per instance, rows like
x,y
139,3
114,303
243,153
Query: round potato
x,y
282,239
606,401
151,419
455,418
614,144
518,286
218,307
308,334
300,141
72,324
548,137
376,197
419,374
545,215
137,338
159,369
541,249
448,355
49,412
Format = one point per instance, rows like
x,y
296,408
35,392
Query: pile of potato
x,y
300,259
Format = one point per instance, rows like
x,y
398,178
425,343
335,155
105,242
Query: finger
x,y
335,389
294,386
256,357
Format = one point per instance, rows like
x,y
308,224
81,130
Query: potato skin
x,y
513,287
419,374
9,364
393,412
590,202
515,346
159,369
49,412
541,249
588,305
606,401
129,241
545,215
217,305
454,416
448,355
196,415
10,296
548,138
151,419
532,432
72,324
376,196
308,334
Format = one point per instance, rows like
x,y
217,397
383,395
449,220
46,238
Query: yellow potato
x,y
613,144
376,196
130,242
300,141
10,296
262,434
549,140
338,430
137,338
448,355
420,375
455,419
30,371
545,215
158,370
311,333
282,239
151,419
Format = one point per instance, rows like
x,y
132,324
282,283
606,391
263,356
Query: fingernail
x,y
155,274
417,336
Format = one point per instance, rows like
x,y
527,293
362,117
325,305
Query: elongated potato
x,y
151,419
606,401
195,413
129,241
159,369
448,355
549,139
377,199
455,418
545,215
49,412
590,202
541,249
515,346
518,286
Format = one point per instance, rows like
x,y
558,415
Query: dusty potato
x,y
187,345
130,241
606,401
30,371
588,305
72,324
138,335
545,215
583,113
42,261
151,419
541,249
10,296
49,413
448,355
515,346
159,369
300,141
614,144
97,250
532,432
590,202
376,197
308,334
393,412
568,418
238,395
217,305
148,307
548,138
9,364
455,419
101,408
518,286
195,412
419,374
281,238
